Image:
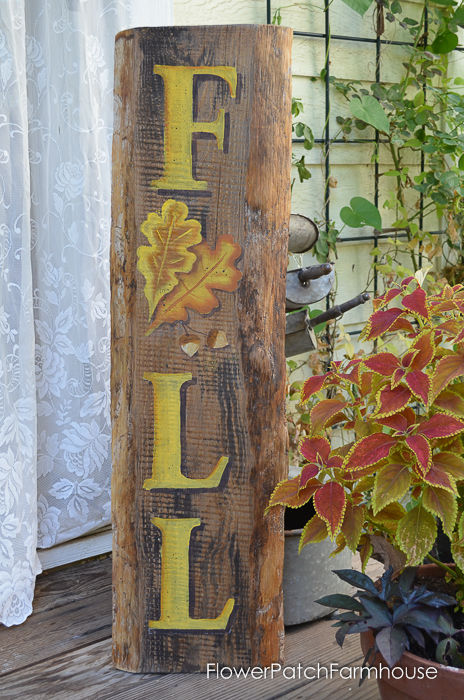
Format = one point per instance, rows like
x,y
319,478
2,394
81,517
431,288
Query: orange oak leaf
x,y
213,269
170,236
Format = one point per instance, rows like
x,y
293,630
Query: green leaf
x,y
419,98
442,503
416,533
315,530
412,143
352,525
297,106
359,6
458,17
369,110
461,162
320,326
391,483
349,218
362,212
444,42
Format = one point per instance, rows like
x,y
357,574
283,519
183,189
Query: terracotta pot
x,y
448,683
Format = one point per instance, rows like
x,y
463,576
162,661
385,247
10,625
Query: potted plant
x,y
385,490
307,574
408,634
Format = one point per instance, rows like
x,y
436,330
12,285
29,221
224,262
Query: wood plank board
x,y
81,667
71,583
88,673
199,437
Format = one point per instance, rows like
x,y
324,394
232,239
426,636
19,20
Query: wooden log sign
x,y
201,206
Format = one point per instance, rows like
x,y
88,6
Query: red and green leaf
x,y
386,298
420,446
389,516
340,545
315,530
451,327
450,402
312,385
439,478
457,551
391,401
397,377
330,504
402,324
407,281
334,462
365,551
424,348
416,533
443,504
420,384
450,463
359,473
401,421
441,426
457,543
417,303
315,449
308,472
369,450
383,363
353,524
391,483
326,413
348,372
288,493
447,368
380,322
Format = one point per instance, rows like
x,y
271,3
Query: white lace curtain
x,y
56,82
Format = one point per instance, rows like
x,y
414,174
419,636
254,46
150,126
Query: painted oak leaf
x,y
214,269
170,236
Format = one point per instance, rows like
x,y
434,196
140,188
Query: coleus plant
x,y
387,487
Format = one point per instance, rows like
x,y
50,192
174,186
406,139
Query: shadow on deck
x,y
64,651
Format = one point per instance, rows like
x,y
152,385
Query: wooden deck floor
x,y
64,651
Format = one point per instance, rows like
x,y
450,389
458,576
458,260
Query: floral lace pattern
x,y
56,104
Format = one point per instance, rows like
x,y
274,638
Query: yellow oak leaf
x,y
170,235
213,269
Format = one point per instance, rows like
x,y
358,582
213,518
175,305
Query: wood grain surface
x,y
232,408
50,656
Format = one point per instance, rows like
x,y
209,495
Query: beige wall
x,y
350,163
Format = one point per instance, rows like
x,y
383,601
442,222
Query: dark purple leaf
x,y
356,578
391,642
347,617
378,610
406,581
339,600
416,635
438,600
341,633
